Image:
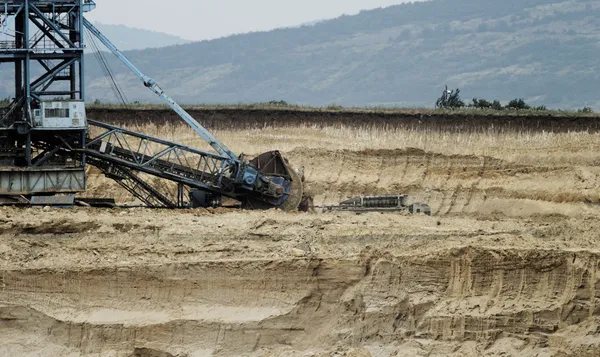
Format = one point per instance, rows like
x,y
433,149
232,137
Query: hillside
x,y
544,51
127,38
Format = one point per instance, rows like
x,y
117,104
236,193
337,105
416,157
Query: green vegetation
x,y
484,104
276,103
518,104
450,99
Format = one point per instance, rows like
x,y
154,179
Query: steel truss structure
x,y
138,162
43,41
163,174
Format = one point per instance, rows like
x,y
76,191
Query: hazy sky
x,y
205,19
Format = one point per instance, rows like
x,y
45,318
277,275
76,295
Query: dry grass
x,y
539,166
526,147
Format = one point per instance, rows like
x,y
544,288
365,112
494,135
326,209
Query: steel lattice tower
x,y
43,43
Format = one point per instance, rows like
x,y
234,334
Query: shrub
x,y
334,107
480,103
278,103
518,104
484,104
496,105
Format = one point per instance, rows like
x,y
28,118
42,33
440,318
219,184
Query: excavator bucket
x,y
273,165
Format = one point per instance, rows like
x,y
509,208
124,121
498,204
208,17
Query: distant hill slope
x,y
545,51
127,38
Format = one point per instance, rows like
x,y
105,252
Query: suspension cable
x,y
108,73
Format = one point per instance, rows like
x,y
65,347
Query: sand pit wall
x,y
234,307
450,184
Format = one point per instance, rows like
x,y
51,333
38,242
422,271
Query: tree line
x,y
451,99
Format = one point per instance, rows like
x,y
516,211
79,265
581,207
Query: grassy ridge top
x,y
358,110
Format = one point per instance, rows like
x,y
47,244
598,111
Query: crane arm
x,y
153,86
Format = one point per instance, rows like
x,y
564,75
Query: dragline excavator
x,y
265,182
47,141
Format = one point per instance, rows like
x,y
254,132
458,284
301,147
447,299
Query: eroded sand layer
x,y
229,283
508,264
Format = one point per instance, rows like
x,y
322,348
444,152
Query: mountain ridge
x,y
544,51
541,50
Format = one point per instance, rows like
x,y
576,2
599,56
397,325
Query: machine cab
x,y
66,115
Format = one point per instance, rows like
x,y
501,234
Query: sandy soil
x,y
508,265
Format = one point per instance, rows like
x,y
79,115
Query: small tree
x,y
518,104
278,103
450,99
496,105
485,104
480,103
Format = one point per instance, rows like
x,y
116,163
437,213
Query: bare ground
x,y
508,265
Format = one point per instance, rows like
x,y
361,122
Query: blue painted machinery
x,y
45,144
